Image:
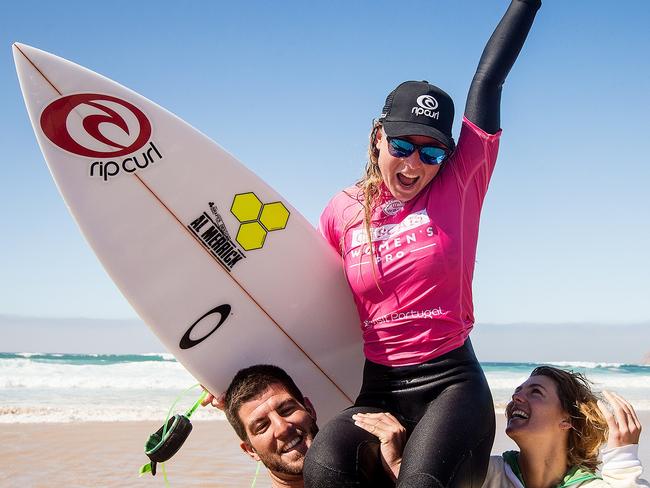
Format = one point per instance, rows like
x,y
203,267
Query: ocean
x,y
39,387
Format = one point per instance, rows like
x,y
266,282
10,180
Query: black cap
x,y
416,108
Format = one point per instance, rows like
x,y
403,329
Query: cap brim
x,y
401,129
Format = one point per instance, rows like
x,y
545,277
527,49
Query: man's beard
x,y
274,463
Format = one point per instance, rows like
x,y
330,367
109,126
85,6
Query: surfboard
x,y
223,269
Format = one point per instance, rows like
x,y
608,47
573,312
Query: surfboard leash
x,y
257,472
169,438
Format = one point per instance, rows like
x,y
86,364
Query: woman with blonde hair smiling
x,y
407,234
560,425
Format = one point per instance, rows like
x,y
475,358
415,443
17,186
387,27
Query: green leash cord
x,y
188,414
257,471
158,440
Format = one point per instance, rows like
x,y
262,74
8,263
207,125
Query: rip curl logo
x,y
94,125
104,126
393,207
426,106
427,102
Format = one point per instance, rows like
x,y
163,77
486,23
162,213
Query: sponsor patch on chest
x,y
390,231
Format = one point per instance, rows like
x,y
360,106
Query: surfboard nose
x,y
21,52
15,49
18,47
27,51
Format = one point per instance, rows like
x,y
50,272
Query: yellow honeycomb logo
x,y
257,219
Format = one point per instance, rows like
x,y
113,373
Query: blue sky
x,y
290,88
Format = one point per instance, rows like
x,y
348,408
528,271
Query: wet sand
x,y
109,455
102,454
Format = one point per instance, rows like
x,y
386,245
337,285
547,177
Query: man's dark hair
x,y
248,384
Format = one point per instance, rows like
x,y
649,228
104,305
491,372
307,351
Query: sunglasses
x,y
401,148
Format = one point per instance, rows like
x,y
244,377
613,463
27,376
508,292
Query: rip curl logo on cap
x,y
427,102
103,126
427,105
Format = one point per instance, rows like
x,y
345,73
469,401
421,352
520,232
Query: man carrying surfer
x,y
277,425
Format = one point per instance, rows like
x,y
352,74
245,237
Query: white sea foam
x,y
27,415
167,356
24,373
39,387
584,364
29,354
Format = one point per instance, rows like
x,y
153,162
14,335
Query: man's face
x,y
279,430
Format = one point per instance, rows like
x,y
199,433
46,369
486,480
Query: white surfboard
x,y
221,267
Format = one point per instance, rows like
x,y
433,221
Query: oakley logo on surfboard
x,y
95,125
427,105
222,312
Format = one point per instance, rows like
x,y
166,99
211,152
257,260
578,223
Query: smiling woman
x,y
560,425
407,234
560,406
406,176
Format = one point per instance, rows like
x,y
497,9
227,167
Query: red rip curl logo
x,y
54,122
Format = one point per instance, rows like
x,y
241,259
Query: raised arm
x,y
500,53
621,464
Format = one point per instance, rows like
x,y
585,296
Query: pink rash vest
x,y
417,303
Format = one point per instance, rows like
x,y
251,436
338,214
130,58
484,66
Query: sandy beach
x,y
109,455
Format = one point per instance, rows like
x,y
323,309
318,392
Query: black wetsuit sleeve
x,y
500,53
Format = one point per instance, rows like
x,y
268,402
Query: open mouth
x,y
295,443
518,414
407,181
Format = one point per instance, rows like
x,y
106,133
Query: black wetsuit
x,y
445,403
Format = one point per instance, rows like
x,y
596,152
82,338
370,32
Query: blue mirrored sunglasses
x,y
401,148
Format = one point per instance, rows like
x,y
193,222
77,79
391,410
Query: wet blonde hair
x,y
370,182
588,426
369,192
